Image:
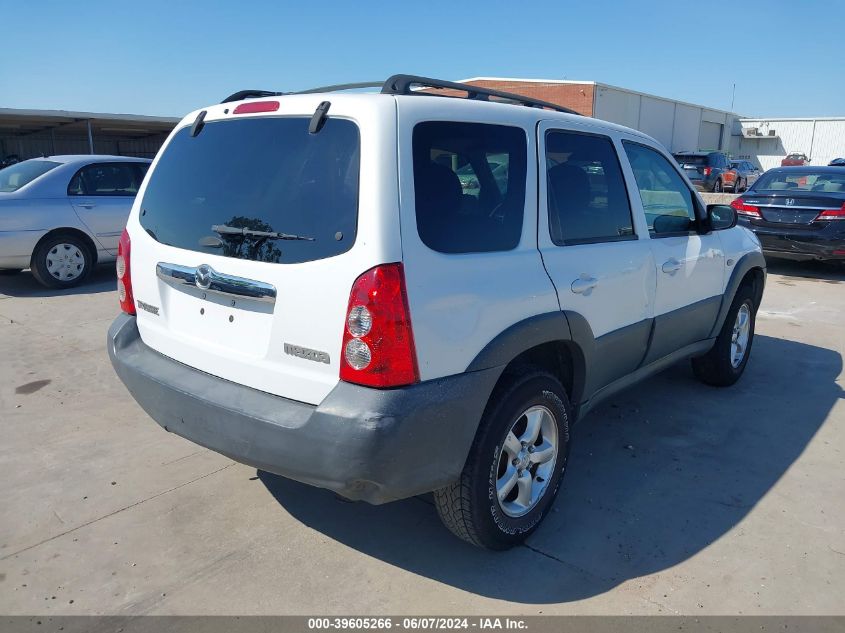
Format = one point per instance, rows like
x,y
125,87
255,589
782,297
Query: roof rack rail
x,y
339,87
403,85
249,94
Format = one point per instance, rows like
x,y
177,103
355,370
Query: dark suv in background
x,y
708,171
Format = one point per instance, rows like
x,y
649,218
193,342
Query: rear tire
x,y
61,261
723,365
511,477
738,186
717,186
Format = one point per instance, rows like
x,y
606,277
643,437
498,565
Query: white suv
x,y
389,294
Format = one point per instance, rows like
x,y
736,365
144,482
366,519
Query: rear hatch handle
x,y
210,281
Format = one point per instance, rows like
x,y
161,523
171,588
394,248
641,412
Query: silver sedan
x,y
61,215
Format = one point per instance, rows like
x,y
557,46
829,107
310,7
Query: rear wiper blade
x,y
223,229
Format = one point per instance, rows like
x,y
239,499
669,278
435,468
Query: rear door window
x,y
587,198
247,188
469,185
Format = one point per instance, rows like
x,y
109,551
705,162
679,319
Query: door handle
x,y
87,205
671,266
584,285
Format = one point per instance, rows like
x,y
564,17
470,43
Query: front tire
x,y
738,186
723,365
61,261
717,186
515,465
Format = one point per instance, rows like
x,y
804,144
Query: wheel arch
x,y
68,230
546,341
749,269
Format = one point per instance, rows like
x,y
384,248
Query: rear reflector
x,y
748,210
256,106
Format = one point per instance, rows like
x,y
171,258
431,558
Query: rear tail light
x,y
748,210
833,214
378,342
124,275
707,171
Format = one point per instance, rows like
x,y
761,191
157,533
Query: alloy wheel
x,y
526,461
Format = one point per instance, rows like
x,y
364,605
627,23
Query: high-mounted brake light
x,y
378,341
748,210
256,106
124,274
707,171
833,214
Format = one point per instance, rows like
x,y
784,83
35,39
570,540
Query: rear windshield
x,y
691,160
799,180
233,189
16,176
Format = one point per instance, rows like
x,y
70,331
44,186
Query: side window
x,y
667,201
469,185
105,179
587,199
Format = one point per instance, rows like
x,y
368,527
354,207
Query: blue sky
x,y
167,58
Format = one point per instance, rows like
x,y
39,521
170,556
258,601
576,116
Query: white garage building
x,y
767,141
678,125
682,126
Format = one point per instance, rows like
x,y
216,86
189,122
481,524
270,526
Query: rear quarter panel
x,y
460,302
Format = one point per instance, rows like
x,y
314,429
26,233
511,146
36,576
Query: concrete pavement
x,y
680,498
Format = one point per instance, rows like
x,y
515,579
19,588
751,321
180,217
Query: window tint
x,y
260,174
16,176
666,199
684,159
105,179
469,185
587,199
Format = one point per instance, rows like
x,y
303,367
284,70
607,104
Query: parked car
x,y
797,212
708,171
837,162
795,159
11,159
61,215
328,304
747,174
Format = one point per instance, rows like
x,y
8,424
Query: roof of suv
x,y
401,87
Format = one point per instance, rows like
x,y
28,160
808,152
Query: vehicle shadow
x,y
811,269
101,279
655,476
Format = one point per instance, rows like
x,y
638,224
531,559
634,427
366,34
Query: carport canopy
x,y
29,133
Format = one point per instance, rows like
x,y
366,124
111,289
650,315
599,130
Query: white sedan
x,y
61,215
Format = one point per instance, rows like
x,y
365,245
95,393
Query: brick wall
x,y
578,97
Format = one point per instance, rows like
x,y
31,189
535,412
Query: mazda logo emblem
x,y
203,277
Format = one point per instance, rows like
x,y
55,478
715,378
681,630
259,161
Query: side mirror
x,y
672,224
720,217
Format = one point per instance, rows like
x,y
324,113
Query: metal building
x,y
30,133
680,126
767,141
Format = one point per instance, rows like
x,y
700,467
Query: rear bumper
x,y
370,444
792,243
